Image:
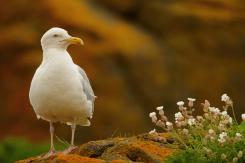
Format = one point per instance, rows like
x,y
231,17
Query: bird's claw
x,y
49,154
70,149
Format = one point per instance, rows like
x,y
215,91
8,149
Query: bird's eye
x,y
56,35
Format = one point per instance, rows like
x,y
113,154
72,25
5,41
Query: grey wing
x,y
87,89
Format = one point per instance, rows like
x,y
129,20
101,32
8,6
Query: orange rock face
x,y
69,158
72,158
141,148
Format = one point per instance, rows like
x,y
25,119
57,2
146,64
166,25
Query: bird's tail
x,y
80,121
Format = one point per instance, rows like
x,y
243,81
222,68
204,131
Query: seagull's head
x,y
58,38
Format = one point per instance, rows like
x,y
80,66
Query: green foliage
x,y
12,149
195,152
190,156
212,137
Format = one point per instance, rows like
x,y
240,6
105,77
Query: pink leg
x,y
72,146
52,149
73,129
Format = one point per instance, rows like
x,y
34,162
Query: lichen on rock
x,y
141,148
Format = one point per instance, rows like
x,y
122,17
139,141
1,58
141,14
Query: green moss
x,y
12,149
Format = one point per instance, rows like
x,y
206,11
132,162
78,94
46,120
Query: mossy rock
x,y
141,148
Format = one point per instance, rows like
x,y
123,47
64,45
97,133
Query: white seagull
x,y
60,90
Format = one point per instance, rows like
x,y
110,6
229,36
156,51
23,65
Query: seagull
x,y
60,90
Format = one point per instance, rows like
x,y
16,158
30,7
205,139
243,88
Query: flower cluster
x,y
222,137
238,136
162,121
227,100
213,126
211,135
184,116
243,117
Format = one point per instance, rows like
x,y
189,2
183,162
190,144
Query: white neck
x,y
55,54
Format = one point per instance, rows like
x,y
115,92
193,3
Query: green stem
x,y
233,112
179,139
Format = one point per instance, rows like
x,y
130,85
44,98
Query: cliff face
x,y
138,54
141,148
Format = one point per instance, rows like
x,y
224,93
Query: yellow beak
x,y
74,40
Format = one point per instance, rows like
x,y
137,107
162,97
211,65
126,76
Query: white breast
x,y
56,92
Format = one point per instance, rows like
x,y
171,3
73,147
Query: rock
x,y
61,158
141,148
95,149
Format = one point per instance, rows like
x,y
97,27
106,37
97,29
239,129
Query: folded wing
x,y
87,89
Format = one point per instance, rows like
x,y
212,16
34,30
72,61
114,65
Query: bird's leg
x,y
52,149
73,129
72,146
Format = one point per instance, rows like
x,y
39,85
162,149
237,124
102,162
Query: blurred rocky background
x,y
138,54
